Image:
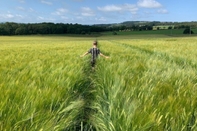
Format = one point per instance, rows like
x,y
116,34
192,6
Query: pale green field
x,y
148,84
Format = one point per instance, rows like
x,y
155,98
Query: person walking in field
x,y
94,51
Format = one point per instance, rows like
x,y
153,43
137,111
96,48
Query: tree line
x,y
11,28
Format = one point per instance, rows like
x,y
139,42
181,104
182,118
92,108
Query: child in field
x,y
94,52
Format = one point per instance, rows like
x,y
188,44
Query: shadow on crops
x,y
85,90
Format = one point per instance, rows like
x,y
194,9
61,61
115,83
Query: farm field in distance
x,y
149,83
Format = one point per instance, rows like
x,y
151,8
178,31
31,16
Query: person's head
x,y
95,43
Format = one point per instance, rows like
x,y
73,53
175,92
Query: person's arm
x,y
104,55
84,54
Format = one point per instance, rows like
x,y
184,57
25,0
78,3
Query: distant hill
x,y
141,23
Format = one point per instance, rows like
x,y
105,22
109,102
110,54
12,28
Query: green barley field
x,y
149,83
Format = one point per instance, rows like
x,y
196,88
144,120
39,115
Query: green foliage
x,y
188,31
114,33
11,28
137,27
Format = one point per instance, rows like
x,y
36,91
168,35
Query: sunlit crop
x,y
147,84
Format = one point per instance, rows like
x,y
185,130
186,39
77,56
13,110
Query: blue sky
x,y
97,11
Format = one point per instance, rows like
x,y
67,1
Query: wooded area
x,y
12,28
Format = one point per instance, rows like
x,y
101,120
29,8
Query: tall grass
x,y
38,85
147,84
146,90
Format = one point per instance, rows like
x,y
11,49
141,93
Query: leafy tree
x,y
188,31
29,29
10,28
2,31
21,31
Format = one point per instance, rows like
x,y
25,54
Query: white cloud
x,y
86,11
102,19
40,18
60,11
43,19
131,8
119,8
149,4
109,8
46,2
9,16
20,16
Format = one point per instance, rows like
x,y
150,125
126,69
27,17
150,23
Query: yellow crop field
x,y
147,84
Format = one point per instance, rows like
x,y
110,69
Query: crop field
x,y
148,84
